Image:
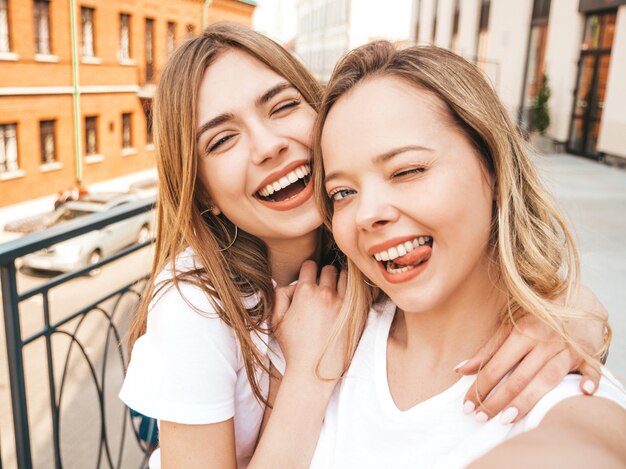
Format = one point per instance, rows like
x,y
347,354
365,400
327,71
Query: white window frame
x,y
87,15
5,39
9,161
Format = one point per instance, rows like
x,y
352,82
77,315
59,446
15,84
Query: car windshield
x,y
64,214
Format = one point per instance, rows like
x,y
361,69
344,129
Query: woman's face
x,y
412,202
254,132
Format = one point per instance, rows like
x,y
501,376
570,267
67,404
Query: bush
x,y
541,112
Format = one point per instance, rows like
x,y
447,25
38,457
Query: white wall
x,y
445,13
426,21
509,25
468,28
612,138
562,54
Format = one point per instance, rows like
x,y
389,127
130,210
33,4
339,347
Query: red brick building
x,y
120,46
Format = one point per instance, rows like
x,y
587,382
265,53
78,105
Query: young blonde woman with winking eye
x,y
233,118
433,198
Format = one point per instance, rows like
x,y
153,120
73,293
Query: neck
x,y
287,255
441,338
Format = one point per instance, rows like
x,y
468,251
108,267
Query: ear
x,y
215,210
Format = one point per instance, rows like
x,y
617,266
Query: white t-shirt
x,y
363,427
188,367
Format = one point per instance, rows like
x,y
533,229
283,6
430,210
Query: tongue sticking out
x,y
416,256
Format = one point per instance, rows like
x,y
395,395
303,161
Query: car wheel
x,y
93,258
144,234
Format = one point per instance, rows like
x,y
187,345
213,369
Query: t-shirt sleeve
x,y
184,368
610,388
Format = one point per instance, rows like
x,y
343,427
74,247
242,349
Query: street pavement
x,y
593,197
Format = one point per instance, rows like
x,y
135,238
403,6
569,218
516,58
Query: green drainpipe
x,y
205,13
76,95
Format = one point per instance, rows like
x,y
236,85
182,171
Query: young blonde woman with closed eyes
x,y
233,119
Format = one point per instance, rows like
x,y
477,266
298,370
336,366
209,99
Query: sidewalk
x,y
593,196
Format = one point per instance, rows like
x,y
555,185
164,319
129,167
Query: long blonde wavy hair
x,y
228,273
533,251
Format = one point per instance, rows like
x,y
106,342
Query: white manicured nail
x,y
468,407
481,417
589,386
508,415
460,365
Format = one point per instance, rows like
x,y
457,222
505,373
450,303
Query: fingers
x,y
282,300
590,378
485,353
328,277
519,379
342,283
512,351
308,272
546,379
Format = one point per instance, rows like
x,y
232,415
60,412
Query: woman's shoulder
x,y
610,388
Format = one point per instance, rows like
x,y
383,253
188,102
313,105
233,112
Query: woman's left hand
x,y
537,358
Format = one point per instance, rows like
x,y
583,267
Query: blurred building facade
x,y
76,89
580,45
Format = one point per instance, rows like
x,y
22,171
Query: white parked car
x,y
90,247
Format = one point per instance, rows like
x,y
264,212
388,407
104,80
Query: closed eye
x,y
408,172
221,141
291,104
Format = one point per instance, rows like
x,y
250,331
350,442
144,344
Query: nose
x,y
267,142
374,210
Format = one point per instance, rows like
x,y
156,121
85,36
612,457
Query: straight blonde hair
x,y
228,273
534,254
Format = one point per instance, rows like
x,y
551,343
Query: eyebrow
x,y
273,91
225,117
382,158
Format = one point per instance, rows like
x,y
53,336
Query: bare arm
x,y
539,357
303,317
197,446
580,432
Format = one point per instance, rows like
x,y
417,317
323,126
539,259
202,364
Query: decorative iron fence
x,y
66,364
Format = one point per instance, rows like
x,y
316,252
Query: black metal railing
x,y
68,356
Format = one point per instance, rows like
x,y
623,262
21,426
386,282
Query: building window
x,y
124,50
8,149
126,131
91,135
483,27
456,16
535,61
147,109
87,24
149,50
42,27
171,37
48,145
5,45
434,32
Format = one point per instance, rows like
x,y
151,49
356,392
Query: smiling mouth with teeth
x,y
287,186
406,256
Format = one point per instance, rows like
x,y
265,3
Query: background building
x,y
76,86
329,28
580,45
